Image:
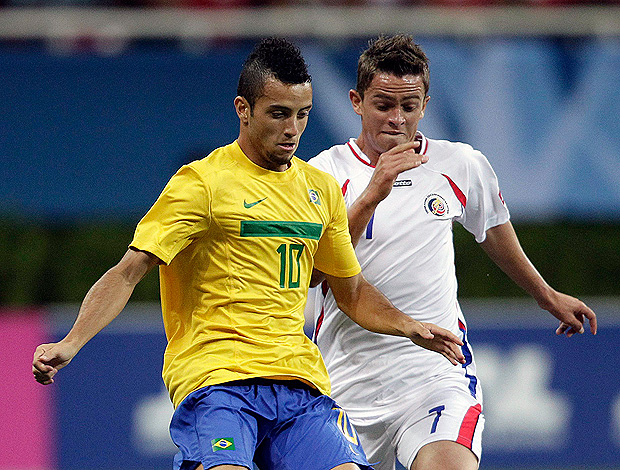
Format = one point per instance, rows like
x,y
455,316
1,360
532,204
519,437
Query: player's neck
x,y
372,155
259,158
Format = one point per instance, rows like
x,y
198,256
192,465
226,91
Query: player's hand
x,y
571,312
434,338
401,158
49,359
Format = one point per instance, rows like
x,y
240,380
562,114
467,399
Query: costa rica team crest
x,y
436,205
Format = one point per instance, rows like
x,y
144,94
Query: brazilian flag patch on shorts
x,y
223,443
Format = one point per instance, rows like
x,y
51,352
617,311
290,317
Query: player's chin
x,y
284,153
389,141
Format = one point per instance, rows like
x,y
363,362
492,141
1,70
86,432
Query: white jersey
x,y
407,252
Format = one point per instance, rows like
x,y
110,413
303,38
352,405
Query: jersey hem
x,y
275,378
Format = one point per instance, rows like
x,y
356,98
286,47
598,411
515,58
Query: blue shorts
x,y
283,425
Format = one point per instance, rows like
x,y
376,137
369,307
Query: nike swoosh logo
x,y
252,204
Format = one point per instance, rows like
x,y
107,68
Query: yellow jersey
x,y
238,243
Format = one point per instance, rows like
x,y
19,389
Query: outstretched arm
x,y
369,308
503,247
103,302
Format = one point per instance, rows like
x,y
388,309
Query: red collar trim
x,y
358,157
423,142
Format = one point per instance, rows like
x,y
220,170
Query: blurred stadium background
x,y
101,101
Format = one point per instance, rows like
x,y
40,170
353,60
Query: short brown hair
x,y
398,55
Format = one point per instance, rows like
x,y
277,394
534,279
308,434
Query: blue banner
x,y
548,400
92,135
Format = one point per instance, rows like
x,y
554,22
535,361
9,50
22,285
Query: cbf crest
x,y
314,197
436,205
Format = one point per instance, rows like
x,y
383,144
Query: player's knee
x,y
445,455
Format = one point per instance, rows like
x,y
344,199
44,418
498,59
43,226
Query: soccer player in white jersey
x,y
403,192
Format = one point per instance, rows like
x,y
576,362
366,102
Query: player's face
x,y
391,109
270,133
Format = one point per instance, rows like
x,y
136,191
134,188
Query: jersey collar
x,y
257,171
356,151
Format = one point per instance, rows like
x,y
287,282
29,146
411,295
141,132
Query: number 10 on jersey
x,y
290,266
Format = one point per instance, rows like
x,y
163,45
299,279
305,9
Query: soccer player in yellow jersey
x,y
236,236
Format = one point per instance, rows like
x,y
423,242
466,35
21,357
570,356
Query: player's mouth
x,y
289,147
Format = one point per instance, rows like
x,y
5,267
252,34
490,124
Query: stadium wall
x,y
92,133
550,402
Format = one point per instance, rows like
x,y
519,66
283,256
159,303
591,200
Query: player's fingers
x,y
460,358
562,328
454,354
411,154
38,368
576,324
44,378
413,145
591,316
458,352
397,163
445,334
409,163
41,362
574,330
406,151
450,358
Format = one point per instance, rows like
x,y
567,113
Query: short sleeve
x,y
335,254
485,207
181,212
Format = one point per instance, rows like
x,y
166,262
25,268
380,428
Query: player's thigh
x,y
376,435
450,414
445,455
212,427
320,436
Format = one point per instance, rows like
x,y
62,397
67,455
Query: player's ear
x,y
242,107
424,103
356,101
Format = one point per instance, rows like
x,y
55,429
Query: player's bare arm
x,y
503,247
103,302
390,164
370,309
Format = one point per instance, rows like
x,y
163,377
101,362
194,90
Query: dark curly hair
x,y
397,55
272,57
